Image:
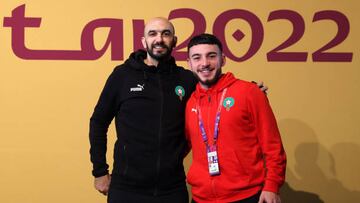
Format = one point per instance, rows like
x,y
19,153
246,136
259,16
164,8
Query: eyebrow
x,y
208,53
165,30
193,55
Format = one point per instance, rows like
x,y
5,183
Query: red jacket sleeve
x,y
269,139
187,127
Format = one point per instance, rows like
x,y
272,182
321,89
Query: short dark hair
x,y
204,38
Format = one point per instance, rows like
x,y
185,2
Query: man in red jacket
x,y
237,151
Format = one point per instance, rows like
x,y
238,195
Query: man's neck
x,y
151,61
209,85
203,86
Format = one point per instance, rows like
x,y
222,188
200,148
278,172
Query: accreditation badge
x,y
213,162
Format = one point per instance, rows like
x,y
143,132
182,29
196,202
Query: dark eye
x,y
152,33
195,58
212,55
166,33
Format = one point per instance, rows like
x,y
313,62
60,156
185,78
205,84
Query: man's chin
x,y
207,83
160,56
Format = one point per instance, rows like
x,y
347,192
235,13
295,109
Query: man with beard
x,y
237,151
147,96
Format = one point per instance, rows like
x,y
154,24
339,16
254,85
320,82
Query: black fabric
x,y
252,199
177,196
150,146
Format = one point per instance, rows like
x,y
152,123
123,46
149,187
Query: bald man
x,y
147,96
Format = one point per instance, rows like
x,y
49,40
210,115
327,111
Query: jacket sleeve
x,y
187,128
100,120
269,139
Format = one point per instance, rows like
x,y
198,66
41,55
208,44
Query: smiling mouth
x,y
159,46
205,71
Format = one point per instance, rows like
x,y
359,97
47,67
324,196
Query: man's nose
x,y
205,62
159,37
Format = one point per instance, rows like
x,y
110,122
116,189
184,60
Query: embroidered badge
x,y
228,103
180,91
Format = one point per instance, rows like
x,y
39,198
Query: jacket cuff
x,y
97,174
271,186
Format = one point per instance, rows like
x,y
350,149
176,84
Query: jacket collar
x,y
136,60
224,81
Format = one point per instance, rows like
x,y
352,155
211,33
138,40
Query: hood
x,y
136,61
224,81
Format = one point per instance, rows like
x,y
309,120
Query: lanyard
x,y
217,120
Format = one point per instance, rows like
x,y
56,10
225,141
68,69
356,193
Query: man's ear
x,y
143,41
188,63
175,41
223,59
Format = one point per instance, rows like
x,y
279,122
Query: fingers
x,y
103,189
102,184
262,86
261,199
269,197
104,192
278,199
264,89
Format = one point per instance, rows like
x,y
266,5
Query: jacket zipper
x,y
126,161
213,189
211,142
159,137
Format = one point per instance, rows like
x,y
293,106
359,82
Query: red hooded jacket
x,y
250,153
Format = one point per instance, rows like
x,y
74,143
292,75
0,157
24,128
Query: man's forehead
x,y
204,49
158,30
159,25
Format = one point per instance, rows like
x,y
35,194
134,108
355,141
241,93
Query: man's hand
x,y
262,86
102,184
269,197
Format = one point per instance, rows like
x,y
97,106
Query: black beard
x,y
159,57
211,82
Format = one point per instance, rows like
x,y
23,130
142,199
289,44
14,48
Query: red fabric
x,y
248,140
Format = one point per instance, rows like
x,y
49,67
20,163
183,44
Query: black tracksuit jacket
x,y
149,120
